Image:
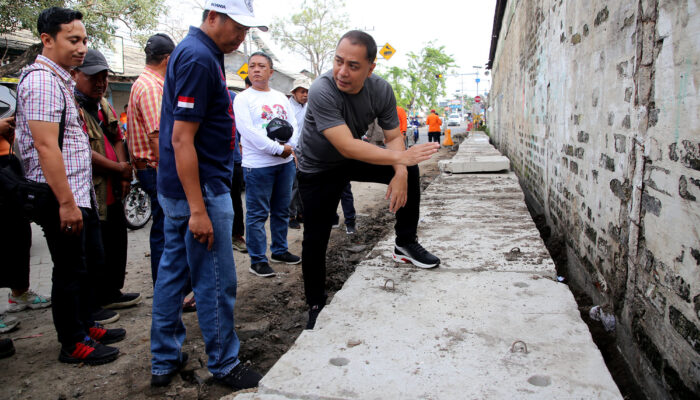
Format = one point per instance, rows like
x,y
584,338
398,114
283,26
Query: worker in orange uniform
x,y
434,125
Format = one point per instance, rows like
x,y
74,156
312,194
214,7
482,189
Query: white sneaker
x,y
7,323
28,299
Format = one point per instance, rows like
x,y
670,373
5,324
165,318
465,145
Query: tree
x,y
420,84
101,19
313,32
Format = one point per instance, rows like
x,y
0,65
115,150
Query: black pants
x,y
236,186
347,203
15,240
72,293
320,193
434,137
110,280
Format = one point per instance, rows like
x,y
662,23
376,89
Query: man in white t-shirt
x,y
268,166
300,96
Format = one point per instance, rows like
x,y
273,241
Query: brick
x,y
685,328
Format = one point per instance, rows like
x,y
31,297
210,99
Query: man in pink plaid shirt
x,y
44,100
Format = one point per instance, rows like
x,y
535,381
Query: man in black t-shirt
x,y
342,103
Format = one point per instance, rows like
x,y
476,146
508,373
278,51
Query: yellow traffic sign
x,y
387,51
243,71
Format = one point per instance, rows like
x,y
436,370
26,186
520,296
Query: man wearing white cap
x,y
196,142
300,95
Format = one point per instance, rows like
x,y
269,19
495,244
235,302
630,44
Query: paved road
x,y
423,133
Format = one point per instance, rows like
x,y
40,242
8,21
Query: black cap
x,y
159,44
94,63
279,130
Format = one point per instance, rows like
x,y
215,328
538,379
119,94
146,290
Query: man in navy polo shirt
x,y
196,165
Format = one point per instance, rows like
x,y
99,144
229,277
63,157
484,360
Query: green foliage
x,y
417,87
101,17
313,32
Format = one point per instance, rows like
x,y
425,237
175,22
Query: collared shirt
x,y
42,97
299,112
195,91
143,114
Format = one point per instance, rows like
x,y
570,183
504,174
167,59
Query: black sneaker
x,y
125,300
262,269
88,352
6,348
241,377
286,257
106,336
313,315
294,224
104,316
164,380
350,228
415,254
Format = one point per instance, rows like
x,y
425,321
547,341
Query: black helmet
x,y
279,130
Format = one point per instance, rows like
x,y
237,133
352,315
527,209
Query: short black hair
x,y
51,19
260,53
152,59
248,82
359,37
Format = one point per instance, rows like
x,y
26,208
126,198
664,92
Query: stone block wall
x,y
596,104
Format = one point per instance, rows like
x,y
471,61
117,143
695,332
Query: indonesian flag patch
x,y
185,102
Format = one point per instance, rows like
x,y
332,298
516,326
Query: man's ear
x,y
47,40
371,69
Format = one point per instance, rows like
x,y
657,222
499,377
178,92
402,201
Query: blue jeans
x,y
268,191
148,178
213,275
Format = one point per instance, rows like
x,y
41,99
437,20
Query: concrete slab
x,y
475,164
444,335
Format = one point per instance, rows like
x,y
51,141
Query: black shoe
x,y
313,314
262,269
88,352
6,348
415,254
164,380
106,336
124,300
294,224
104,316
286,257
241,377
350,228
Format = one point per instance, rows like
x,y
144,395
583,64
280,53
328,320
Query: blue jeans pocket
x,y
174,208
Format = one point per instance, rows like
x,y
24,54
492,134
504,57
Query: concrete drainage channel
x,y
490,323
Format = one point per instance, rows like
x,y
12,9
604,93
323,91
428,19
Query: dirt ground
x,y
270,314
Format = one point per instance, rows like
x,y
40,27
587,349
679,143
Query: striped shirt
x,y
143,114
42,97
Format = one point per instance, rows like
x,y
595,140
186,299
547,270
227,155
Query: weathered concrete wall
x,y
596,104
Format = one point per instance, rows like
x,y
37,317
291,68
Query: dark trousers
x,y
295,207
74,258
320,193
110,280
148,178
347,203
434,137
236,188
15,241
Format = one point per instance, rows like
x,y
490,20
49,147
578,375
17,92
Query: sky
x,y
462,26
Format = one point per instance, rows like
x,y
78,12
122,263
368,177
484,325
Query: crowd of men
x,y
192,143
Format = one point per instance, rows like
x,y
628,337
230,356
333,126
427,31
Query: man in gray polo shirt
x,y
342,103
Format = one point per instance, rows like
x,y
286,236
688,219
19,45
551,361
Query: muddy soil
x,y
270,314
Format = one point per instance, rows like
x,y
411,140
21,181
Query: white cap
x,y
240,11
300,83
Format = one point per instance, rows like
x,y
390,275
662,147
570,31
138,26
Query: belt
x,y
143,164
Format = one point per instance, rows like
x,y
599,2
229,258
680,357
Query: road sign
x,y
243,71
478,80
477,99
387,51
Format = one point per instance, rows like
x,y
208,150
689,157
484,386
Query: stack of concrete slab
x,y
491,322
475,154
